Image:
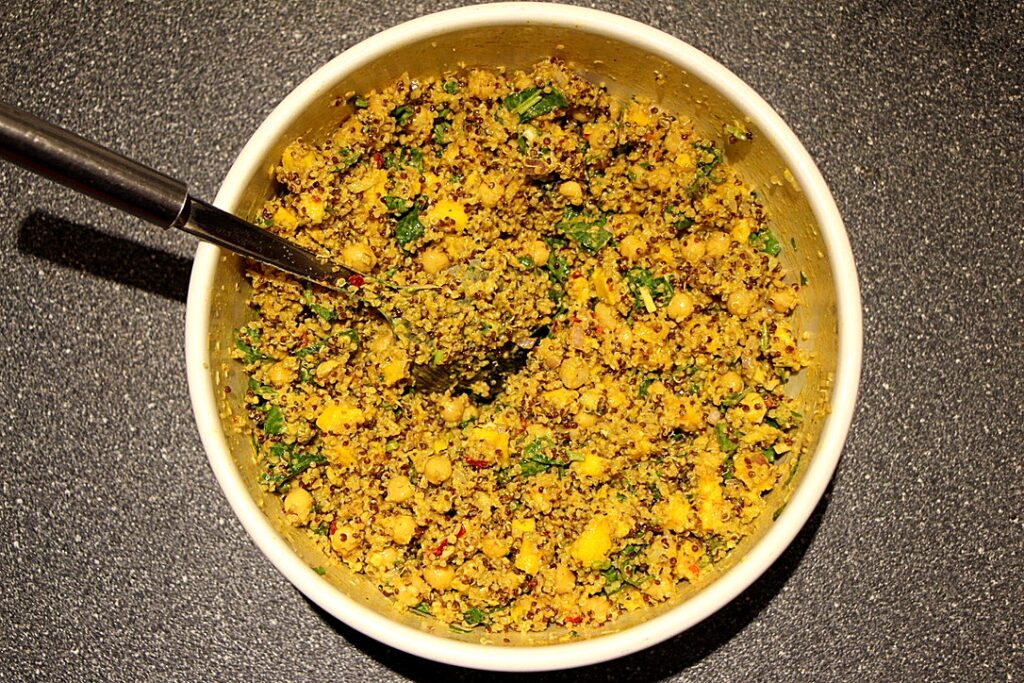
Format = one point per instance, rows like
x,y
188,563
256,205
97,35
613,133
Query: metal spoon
x,y
82,165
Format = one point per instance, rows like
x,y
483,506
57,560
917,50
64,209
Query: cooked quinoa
x,y
635,448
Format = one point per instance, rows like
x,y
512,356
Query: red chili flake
x,y
461,532
575,274
599,329
478,464
575,621
315,198
440,547
334,527
378,160
356,280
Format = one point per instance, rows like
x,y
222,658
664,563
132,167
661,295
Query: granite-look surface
x,y
120,559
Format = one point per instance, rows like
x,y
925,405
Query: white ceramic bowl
x,y
630,57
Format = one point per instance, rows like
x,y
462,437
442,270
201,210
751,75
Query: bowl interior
x,y
626,68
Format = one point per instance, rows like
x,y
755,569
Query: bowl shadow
x,y
85,249
655,663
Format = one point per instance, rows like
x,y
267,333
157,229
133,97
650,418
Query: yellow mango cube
x,y
285,218
447,208
297,158
594,543
523,526
675,513
591,466
338,419
393,371
314,208
529,557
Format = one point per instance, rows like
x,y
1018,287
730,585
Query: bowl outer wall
x,y
712,597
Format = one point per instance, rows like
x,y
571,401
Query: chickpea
x,y
359,257
717,244
494,547
453,407
731,382
625,337
434,261
680,306
783,300
299,502
606,316
572,191
344,540
399,489
573,373
631,247
692,249
741,302
538,252
439,578
661,178
549,353
437,469
381,342
403,528
281,373
585,420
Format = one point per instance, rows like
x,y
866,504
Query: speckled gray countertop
x,y
120,559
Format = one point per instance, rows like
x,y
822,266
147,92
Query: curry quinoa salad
x,y
635,448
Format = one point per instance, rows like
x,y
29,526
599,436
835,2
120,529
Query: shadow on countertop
x,y
655,663
86,249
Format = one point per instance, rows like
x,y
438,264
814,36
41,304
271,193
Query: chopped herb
x,y
286,464
274,424
724,443
476,616
737,132
451,87
320,570
251,355
683,224
458,629
732,400
409,229
769,454
440,133
778,511
396,205
648,291
705,167
804,280
535,460
322,529
402,114
534,102
361,102
406,156
526,262
587,230
645,385
655,491
262,390
422,609
766,241
523,144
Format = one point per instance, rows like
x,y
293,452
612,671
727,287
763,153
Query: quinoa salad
x,y
485,208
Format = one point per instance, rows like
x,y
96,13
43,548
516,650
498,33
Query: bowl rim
x,y
776,539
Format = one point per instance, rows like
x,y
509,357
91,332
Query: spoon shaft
x,y
84,166
101,173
